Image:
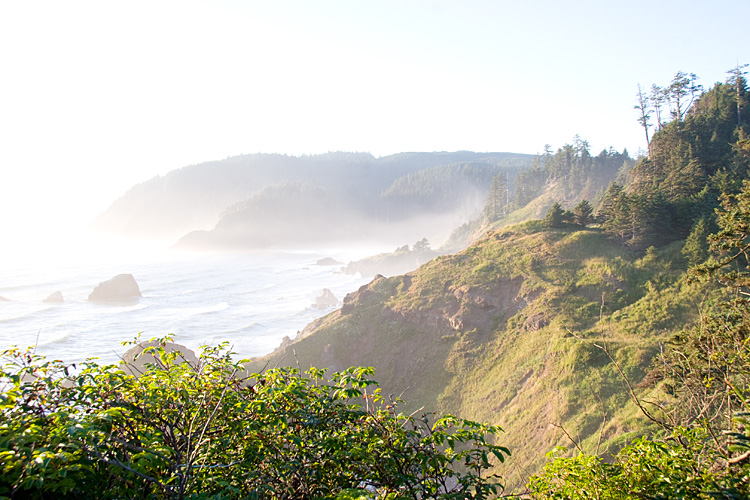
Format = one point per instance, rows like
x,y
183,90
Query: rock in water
x,y
134,361
327,299
54,298
121,288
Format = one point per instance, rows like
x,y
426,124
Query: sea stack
x,y
326,299
328,261
54,298
121,288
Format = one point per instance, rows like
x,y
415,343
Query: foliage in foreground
x,y
182,431
683,466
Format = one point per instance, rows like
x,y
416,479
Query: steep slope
x,y
568,176
502,332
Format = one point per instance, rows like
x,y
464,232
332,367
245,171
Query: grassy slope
x,y
502,333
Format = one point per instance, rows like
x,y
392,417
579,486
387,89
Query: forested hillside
x,y
608,338
585,330
568,176
251,201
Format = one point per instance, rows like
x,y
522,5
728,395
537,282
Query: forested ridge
x,y
262,200
613,318
607,336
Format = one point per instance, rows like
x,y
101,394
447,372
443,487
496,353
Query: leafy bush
x,y
679,467
206,431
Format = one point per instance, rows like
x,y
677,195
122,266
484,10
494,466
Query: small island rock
x,y
121,288
328,261
327,299
54,298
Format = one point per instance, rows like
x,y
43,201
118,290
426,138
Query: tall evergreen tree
x,y
737,79
614,213
497,199
695,249
678,91
658,98
644,112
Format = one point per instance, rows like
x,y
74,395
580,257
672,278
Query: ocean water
x,y
251,300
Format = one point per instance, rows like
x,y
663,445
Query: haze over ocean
x,y
252,300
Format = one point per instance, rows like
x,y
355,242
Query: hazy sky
x,y
98,96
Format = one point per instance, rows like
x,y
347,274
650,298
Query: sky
x,y
97,96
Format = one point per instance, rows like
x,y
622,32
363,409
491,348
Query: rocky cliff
x,y
504,332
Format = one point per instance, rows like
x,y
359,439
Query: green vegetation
x,y
502,332
703,449
181,431
698,383
557,330
611,337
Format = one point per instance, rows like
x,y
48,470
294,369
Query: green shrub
x,y
182,431
679,467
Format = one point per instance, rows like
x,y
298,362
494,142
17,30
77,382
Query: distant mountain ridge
x,y
196,197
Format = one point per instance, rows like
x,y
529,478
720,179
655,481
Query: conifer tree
x,y
555,216
583,213
611,203
738,80
695,249
644,113
658,97
676,93
497,200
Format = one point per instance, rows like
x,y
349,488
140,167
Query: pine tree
x,y
737,79
497,200
644,113
555,216
421,246
658,97
583,213
695,249
610,203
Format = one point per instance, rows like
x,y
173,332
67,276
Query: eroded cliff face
x,y
412,339
464,307
504,332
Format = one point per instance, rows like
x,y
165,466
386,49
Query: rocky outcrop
x,y
54,298
326,299
535,322
461,309
134,360
120,289
358,297
477,307
390,264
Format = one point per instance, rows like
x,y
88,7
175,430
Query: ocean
x,y
251,300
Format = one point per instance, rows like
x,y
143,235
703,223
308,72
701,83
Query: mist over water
x,y
249,299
